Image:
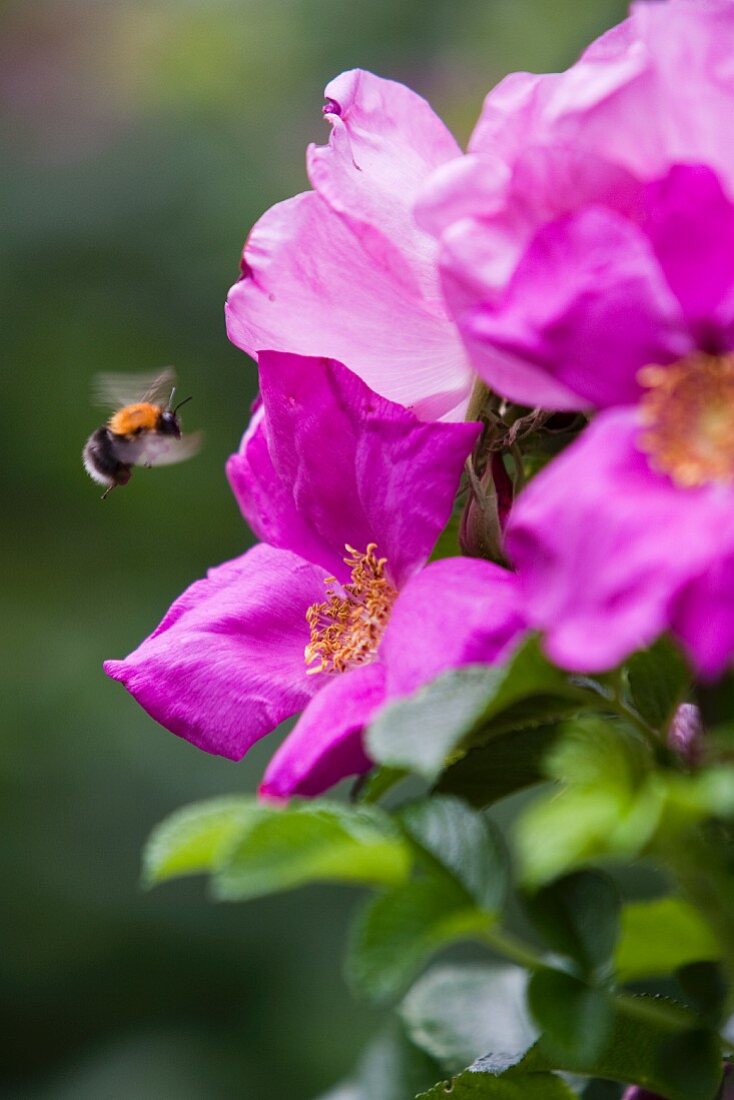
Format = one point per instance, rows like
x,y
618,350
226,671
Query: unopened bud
x,y
685,734
490,500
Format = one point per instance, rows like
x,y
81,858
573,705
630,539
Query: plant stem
x,y
512,948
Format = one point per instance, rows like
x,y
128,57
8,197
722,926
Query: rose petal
x,y
702,617
226,665
352,467
385,140
456,611
587,306
326,744
654,91
605,546
527,108
308,286
486,214
267,500
690,223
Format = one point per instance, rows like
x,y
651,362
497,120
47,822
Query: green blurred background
x,y
140,140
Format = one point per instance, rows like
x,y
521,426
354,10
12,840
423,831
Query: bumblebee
x,y
144,430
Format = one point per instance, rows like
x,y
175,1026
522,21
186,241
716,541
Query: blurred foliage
x,y
140,139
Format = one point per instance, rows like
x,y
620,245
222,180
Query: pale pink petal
x,y
309,286
226,665
326,744
456,611
335,464
486,213
587,307
385,140
524,107
607,550
654,91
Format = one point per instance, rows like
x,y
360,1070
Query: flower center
x,y
346,628
688,419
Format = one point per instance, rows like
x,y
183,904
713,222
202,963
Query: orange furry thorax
x,y
135,418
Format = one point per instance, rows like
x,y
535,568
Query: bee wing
x,y
154,449
118,390
178,450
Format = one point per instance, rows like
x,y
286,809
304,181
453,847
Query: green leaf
x,y
195,837
470,706
692,1061
659,936
456,1013
658,680
507,764
704,987
600,752
578,916
644,1031
577,825
576,1018
396,933
611,801
480,1086
315,841
639,1049
464,843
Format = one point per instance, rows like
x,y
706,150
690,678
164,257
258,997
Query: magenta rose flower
x,y
630,532
588,259
344,270
336,611
654,92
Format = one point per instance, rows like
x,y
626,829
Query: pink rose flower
x,y
336,611
344,270
653,92
587,250
630,532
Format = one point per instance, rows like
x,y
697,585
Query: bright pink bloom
x,y
344,270
590,235
630,532
326,466
651,93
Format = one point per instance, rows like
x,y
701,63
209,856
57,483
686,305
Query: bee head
x,y
169,423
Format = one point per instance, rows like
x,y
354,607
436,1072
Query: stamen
x,y
688,419
347,627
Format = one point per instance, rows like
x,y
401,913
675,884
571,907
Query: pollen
x,y
687,415
347,627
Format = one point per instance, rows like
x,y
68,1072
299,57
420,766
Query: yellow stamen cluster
x,y
346,628
688,419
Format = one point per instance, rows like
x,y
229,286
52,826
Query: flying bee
x,y
144,430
